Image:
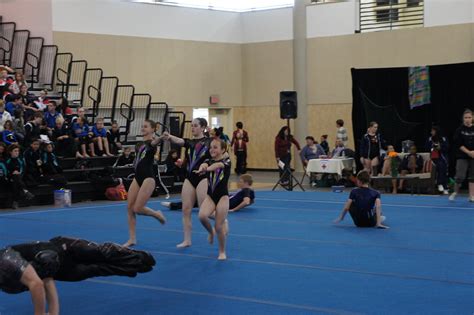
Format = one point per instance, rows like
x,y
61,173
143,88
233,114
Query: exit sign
x,y
214,99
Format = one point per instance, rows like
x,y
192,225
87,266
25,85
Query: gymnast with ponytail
x,y
143,184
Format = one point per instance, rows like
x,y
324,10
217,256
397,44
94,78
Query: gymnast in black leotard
x,y
143,184
195,185
144,161
197,151
64,259
217,199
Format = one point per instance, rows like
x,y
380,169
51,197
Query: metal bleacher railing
x,y
379,15
103,96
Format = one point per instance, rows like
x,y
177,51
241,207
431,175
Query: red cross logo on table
x,y
324,166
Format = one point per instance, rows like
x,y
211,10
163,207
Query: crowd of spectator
x,y
37,130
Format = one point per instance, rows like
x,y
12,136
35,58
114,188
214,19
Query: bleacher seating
x,y
103,96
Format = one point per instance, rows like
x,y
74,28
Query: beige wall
x,y
182,73
331,58
267,69
248,77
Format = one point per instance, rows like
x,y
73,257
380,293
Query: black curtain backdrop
x,y
381,95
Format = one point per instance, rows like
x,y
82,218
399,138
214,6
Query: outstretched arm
x,y
51,296
346,208
156,140
176,140
31,280
246,202
215,166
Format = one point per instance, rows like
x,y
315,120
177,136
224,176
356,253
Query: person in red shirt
x,y
283,143
239,141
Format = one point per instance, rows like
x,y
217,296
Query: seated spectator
x,y
438,147
19,126
245,196
62,137
16,168
16,103
113,136
81,112
4,78
3,152
391,165
65,110
126,158
32,155
19,81
311,150
100,137
339,149
50,168
83,137
324,144
4,184
4,115
411,164
341,132
8,135
51,115
174,166
41,102
33,128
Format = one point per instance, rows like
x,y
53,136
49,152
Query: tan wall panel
x,y
267,69
182,73
331,58
322,120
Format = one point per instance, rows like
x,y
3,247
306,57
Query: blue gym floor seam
x,y
285,256
303,307
162,229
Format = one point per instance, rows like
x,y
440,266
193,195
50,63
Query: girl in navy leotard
x,y
143,184
195,185
218,172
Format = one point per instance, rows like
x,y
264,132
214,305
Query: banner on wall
x,y
419,91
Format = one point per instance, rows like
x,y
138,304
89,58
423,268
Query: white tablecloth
x,y
332,166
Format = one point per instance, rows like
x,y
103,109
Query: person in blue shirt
x,y
100,137
83,136
51,115
16,103
8,134
364,205
245,196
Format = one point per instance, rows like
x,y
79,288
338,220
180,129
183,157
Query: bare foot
x,y
222,256
210,237
184,244
130,243
160,217
110,154
78,155
85,155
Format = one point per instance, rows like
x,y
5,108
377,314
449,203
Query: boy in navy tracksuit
x,y
364,205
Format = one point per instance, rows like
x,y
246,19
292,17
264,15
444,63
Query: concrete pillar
x,y
299,73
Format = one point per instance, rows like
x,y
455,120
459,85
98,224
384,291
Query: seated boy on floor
x,y
244,197
364,205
